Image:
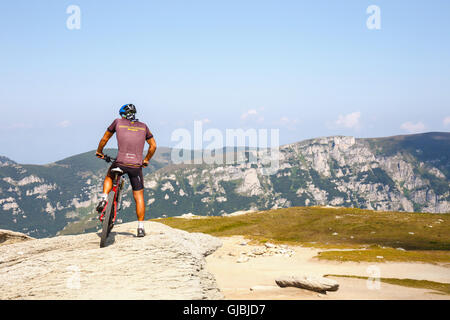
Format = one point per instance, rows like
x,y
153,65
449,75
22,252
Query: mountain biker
x,y
131,137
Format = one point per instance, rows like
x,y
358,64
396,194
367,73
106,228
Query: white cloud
x,y
64,124
350,120
204,121
446,121
413,127
252,114
249,113
287,123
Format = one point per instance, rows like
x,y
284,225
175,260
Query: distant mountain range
x,y
400,173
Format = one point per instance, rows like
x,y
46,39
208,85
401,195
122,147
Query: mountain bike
x,y
109,213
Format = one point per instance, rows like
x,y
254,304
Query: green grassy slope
x,y
420,234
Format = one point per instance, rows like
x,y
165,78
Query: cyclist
x,y
131,137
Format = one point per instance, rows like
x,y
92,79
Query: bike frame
x,y
116,200
109,214
117,189
113,203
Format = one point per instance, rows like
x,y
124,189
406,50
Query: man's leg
x,y
107,185
140,204
137,184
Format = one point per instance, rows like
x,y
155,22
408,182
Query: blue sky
x,y
308,68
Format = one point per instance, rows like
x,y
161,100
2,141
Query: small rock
x,y
269,245
335,233
411,232
242,259
400,249
258,251
380,257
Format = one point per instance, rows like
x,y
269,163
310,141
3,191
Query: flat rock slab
x,y
313,283
166,264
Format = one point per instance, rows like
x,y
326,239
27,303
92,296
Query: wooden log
x,y
313,283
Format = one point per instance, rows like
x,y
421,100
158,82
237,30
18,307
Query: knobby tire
x,y
109,214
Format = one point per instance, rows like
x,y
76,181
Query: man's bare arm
x,y
151,150
102,143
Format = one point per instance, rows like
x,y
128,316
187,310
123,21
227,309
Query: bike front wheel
x,y
107,218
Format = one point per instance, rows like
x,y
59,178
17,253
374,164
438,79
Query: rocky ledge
x,y
166,264
9,237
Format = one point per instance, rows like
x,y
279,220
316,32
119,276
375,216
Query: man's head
x,y
128,112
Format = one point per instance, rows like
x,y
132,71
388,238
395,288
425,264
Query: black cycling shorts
x,y
135,175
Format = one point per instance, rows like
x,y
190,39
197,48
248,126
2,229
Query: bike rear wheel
x,y
107,218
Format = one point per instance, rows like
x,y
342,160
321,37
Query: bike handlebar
x,y
108,158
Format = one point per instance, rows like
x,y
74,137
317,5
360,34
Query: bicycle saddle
x,y
118,170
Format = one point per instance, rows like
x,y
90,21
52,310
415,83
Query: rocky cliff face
x,y
403,173
337,171
345,171
166,264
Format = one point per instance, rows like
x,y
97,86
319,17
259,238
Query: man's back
x,y
131,137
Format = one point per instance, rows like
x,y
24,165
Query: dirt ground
x,y
255,278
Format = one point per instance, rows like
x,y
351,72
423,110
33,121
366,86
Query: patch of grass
x,y
378,233
319,226
385,255
419,284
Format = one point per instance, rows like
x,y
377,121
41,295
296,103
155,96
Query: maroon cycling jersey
x,y
131,137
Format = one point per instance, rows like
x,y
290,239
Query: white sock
x,y
140,224
103,196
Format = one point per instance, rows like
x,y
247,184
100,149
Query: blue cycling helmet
x,y
128,112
